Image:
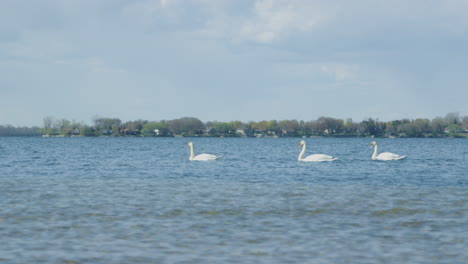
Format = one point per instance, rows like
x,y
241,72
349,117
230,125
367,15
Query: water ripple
x,y
133,200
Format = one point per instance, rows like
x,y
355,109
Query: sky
x,y
225,60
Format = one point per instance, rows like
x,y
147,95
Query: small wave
x,y
413,223
397,211
288,195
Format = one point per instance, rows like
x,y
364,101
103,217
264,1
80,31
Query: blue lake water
x,y
140,200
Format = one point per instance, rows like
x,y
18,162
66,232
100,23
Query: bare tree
x,y
48,121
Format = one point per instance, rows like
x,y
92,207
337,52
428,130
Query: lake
x,y
140,200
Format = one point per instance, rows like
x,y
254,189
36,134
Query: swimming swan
x,y
313,157
203,157
384,155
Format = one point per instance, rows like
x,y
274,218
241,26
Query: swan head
x,y
373,144
190,144
302,143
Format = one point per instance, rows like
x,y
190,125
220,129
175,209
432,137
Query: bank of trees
x,y
9,130
452,125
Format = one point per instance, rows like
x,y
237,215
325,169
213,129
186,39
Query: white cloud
x,y
276,19
262,21
271,21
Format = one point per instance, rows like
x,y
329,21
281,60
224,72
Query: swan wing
x,y
206,157
318,158
389,156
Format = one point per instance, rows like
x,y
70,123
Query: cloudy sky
x,y
226,60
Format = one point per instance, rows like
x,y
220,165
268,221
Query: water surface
x,y
139,200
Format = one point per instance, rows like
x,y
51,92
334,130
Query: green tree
x,y
221,129
87,131
237,124
350,127
437,126
454,129
400,125
311,128
63,126
289,127
329,125
421,126
9,130
136,125
465,122
390,129
409,129
150,128
105,125
272,127
452,118
189,126
259,127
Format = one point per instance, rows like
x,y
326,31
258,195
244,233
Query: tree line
x,y
9,130
452,125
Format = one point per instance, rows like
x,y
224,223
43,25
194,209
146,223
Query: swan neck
x,y
376,152
301,155
192,152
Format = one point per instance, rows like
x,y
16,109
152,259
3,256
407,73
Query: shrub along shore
x,y
452,125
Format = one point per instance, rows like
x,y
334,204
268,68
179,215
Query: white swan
x,y
313,157
203,157
384,155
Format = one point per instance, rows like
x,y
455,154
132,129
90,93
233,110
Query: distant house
x,y
76,132
107,132
130,132
72,132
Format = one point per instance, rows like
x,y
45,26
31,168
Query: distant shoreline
x,y
345,137
451,126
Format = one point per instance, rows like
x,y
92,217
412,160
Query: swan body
x,y
201,157
384,155
313,157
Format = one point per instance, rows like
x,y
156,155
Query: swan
x,y
384,155
313,157
203,157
